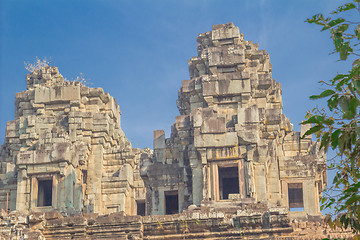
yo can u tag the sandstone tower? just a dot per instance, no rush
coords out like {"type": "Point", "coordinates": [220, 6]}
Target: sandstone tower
{"type": "Point", "coordinates": [66, 151]}
{"type": "Point", "coordinates": [231, 144]}
{"type": "Point", "coordinates": [231, 141]}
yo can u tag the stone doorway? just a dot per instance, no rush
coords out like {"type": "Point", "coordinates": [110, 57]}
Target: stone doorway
{"type": "Point", "coordinates": [228, 181]}
{"type": "Point", "coordinates": [44, 193]}
{"type": "Point", "coordinates": [140, 207]}
{"type": "Point", "coordinates": [296, 201]}
{"type": "Point", "coordinates": [171, 202]}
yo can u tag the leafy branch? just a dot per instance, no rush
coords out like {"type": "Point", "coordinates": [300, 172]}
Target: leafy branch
{"type": "Point", "coordinates": [338, 126]}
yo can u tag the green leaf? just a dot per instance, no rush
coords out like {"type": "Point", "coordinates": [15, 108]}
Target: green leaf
{"type": "Point", "coordinates": [350, 112]}
{"type": "Point", "coordinates": [333, 23]}
{"type": "Point", "coordinates": [314, 119]}
{"type": "Point", "coordinates": [356, 83]}
{"type": "Point", "coordinates": [342, 143]}
{"type": "Point", "coordinates": [352, 199]}
{"type": "Point", "coordinates": [325, 93]}
{"type": "Point", "coordinates": [335, 138]}
{"type": "Point", "coordinates": [346, 222]}
{"type": "Point", "coordinates": [354, 102]}
{"type": "Point", "coordinates": [348, 115]}
{"type": "Point", "coordinates": [329, 121]}
{"type": "Point", "coordinates": [342, 83]}
{"type": "Point", "coordinates": [337, 38]}
{"type": "Point", "coordinates": [343, 27]}
{"type": "Point", "coordinates": [357, 32]}
{"type": "Point", "coordinates": [358, 131]}
{"type": "Point", "coordinates": [336, 22]}
{"type": "Point", "coordinates": [333, 101]}
{"type": "Point", "coordinates": [314, 129]}
{"type": "Point", "coordinates": [336, 178]}
{"type": "Point", "coordinates": [343, 8]}
{"type": "Point", "coordinates": [325, 140]}
{"type": "Point", "coordinates": [339, 76]}
{"type": "Point", "coordinates": [345, 51]}
{"type": "Point", "coordinates": [354, 188]}
{"type": "Point", "coordinates": [344, 103]}
{"type": "Point", "coordinates": [356, 62]}
{"type": "Point", "coordinates": [316, 19]}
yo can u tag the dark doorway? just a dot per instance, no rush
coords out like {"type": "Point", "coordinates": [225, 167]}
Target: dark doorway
{"type": "Point", "coordinates": [296, 202]}
{"type": "Point", "coordinates": [171, 202]}
{"type": "Point", "coordinates": [140, 205]}
{"type": "Point", "coordinates": [228, 181]}
{"type": "Point", "coordinates": [44, 193]}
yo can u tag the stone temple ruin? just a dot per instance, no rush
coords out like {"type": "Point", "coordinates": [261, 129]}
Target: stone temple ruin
{"type": "Point", "coordinates": [232, 141]}
{"type": "Point", "coordinates": [230, 148]}
{"type": "Point", "coordinates": [65, 150]}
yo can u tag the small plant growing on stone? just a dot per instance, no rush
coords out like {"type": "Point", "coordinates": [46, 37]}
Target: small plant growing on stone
{"type": "Point", "coordinates": [37, 65]}
{"type": "Point", "coordinates": [159, 224]}
{"type": "Point", "coordinates": [241, 231]}
{"type": "Point", "coordinates": [187, 228]}
{"type": "Point", "coordinates": [81, 79]}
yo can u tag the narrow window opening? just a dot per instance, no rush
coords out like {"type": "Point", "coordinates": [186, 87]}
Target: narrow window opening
{"type": "Point", "coordinates": [228, 181]}
{"type": "Point", "coordinates": [171, 202]}
{"type": "Point", "coordinates": [296, 202]}
{"type": "Point", "coordinates": [44, 193]}
{"type": "Point", "coordinates": [84, 172]}
{"type": "Point", "coordinates": [140, 205]}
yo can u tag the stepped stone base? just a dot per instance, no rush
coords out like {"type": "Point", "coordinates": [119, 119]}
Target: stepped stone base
{"type": "Point", "coordinates": [249, 222]}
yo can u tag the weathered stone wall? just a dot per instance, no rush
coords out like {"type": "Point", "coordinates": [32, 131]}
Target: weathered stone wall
{"type": "Point", "coordinates": [68, 135]}
{"type": "Point", "coordinates": [231, 120]}
{"type": "Point", "coordinates": [201, 223]}
{"type": "Point", "coordinates": [231, 169]}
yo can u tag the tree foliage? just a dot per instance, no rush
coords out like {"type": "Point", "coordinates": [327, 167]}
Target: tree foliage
{"type": "Point", "coordinates": [337, 126]}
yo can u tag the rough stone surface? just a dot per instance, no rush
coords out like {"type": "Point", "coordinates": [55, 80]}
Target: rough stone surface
{"type": "Point", "coordinates": [200, 223]}
{"type": "Point", "coordinates": [70, 135]}
{"type": "Point", "coordinates": [231, 116]}
{"type": "Point", "coordinates": [232, 168]}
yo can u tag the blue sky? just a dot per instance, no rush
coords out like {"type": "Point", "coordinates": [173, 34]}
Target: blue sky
{"type": "Point", "coordinates": [138, 50]}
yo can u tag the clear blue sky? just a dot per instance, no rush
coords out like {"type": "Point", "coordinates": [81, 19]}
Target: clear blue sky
{"type": "Point", "coordinates": [138, 50]}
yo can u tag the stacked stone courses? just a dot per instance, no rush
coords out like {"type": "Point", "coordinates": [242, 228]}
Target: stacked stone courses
{"type": "Point", "coordinates": [71, 135]}
{"type": "Point", "coordinates": [232, 167]}
{"type": "Point", "coordinates": [231, 117]}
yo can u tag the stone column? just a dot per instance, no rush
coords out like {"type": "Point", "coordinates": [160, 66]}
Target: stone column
{"type": "Point", "coordinates": [197, 184]}
{"type": "Point", "coordinates": [159, 145]}
{"type": "Point", "coordinates": [70, 180]}
{"type": "Point", "coordinates": [260, 182]}
{"type": "Point", "coordinates": [158, 202]}
{"type": "Point", "coordinates": [309, 196]}
{"type": "Point", "coordinates": [95, 167]}
{"type": "Point", "coordinates": [21, 203]}
{"type": "Point", "coordinates": [61, 199]}
{"type": "Point", "coordinates": [249, 179]}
